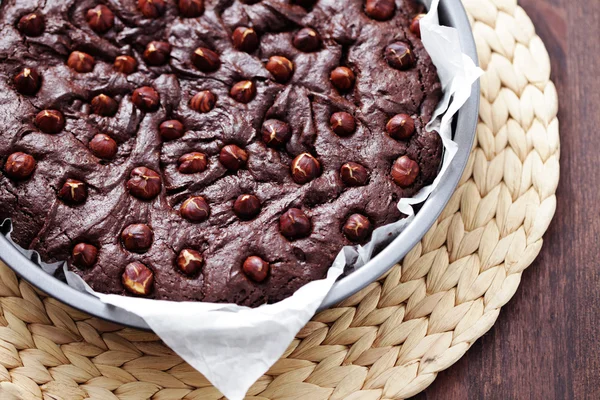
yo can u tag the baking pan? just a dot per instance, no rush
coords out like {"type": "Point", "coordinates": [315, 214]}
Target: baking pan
{"type": "Point", "coordinates": [452, 14]}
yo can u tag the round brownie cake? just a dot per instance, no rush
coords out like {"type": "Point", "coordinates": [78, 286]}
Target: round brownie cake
{"type": "Point", "coordinates": [220, 151]}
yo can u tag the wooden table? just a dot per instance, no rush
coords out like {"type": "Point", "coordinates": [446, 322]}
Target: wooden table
{"type": "Point", "coordinates": [546, 342]}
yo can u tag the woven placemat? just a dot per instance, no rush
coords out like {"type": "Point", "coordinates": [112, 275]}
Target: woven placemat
{"type": "Point", "coordinates": [390, 340]}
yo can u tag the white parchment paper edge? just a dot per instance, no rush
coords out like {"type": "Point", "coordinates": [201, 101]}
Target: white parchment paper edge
{"type": "Point", "coordinates": [232, 346]}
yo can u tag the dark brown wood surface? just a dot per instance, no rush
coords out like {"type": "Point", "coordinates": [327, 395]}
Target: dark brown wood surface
{"type": "Point", "coordinates": [546, 342]}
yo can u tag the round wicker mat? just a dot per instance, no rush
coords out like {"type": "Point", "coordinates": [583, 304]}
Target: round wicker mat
{"type": "Point", "coordinates": [386, 342]}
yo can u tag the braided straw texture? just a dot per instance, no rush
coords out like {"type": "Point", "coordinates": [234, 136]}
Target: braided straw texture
{"type": "Point", "coordinates": [390, 340]}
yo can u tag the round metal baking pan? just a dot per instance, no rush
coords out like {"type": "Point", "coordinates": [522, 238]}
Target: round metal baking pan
{"type": "Point", "coordinates": [452, 14]}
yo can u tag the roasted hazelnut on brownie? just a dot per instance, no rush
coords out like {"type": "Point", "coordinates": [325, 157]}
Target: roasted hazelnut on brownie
{"type": "Point", "coordinates": [146, 99]}
{"type": "Point", "coordinates": [50, 121]}
{"type": "Point", "coordinates": [31, 24]}
{"type": "Point", "coordinates": [307, 40]}
{"type": "Point", "coordinates": [84, 255]}
{"type": "Point", "coordinates": [73, 192]}
{"type": "Point", "coordinates": [138, 279]}
{"type": "Point", "coordinates": [195, 209]}
{"type": "Point", "coordinates": [206, 60]}
{"type": "Point", "coordinates": [256, 268]}
{"type": "Point", "coordinates": [137, 237]}
{"type": "Point", "coordinates": [171, 129]}
{"type": "Point", "coordinates": [246, 206]}
{"type": "Point", "coordinates": [203, 101]}
{"type": "Point", "coordinates": [100, 18]}
{"type": "Point", "coordinates": [103, 146]}
{"type": "Point", "coordinates": [125, 64]}
{"type": "Point", "coordinates": [27, 81]}
{"type": "Point", "coordinates": [380, 10]}
{"type": "Point", "coordinates": [233, 157]}
{"type": "Point", "coordinates": [144, 183]}
{"type": "Point", "coordinates": [405, 171]}
{"type": "Point", "coordinates": [294, 224]}
{"type": "Point", "coordinates": [192, 163]}
{"type": "Point", "coordinates": [81, 62]}
{"type": "Point", "coordinates": [189, 261]}
{"type": "Point", "coordinates": [191, 8]}
{"type": "Point", "coordinates": [357, 228]}
{"type": "Point", "coordinates": [354, 174]}
{"type": "Point", "coordinates": [152, 8]}
{"type": "Point", "coordinates": [400, 127]}
{"type": "Point", "coordinates": [245, 39]}
{"type": "Point", "coordinates": [415, 25]}
{"type": "Point", "coordinates": [243, 92]}
{"type": "Point", "coordinates": [157, 53]}
{"type": "Point", "coordinates": [19, 166]}
{"type": "Point", "coordinates": [342, 78]}
{"type": "Point", "coordinates": [275, 132]}
{"type": "Point", "coordinates": [399, 56]}
{"type": "Point", "coordinates": [342, 123]}
{"type": "Point", "coordinates": [104, 105]}
{"type": "Point", "coordinates": [305, 168]}
{"type": "Point", "coordinates": [281, 68]}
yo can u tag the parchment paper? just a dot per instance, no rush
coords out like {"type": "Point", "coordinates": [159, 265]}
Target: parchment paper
{"type": "Point", "coordinates": [233, 346]}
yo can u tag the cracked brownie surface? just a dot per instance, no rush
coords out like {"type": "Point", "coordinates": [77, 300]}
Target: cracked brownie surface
{"type": "Point", "coordinates": [226, 157]}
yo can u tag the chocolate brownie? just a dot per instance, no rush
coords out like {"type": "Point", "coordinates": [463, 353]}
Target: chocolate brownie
{"type": "Point", "coordinates": [220, 151]}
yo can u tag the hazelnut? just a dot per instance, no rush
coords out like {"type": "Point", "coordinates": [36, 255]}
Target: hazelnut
{"type": "Point", "coordinates": [189, 261]}
{"type": "Point", "coordinates": [281, 68]}
{"type": "Point", "coordinates": [146, 99]}
{"type": "Point", "coordinates": [137, 237]}
{"type": "Point", "coordinates": [191, 8]}
{"type": "Point", "coordinates": [246, 206]}
{"type": "Point", "coordinates": [354, 174]}
{"type": "Point", "coordinates": [104, 105]}
{"type": "Point", "coordinates": [275, 132]}
{"type": "Point", "coordinates": [398, 55]}
{"type": "Point", "coordinates": [144, 183]}
{"type": "Point", "coordinates": [203, 102]}
{"type": "Point", "coordinates": [192, 163]}
{"type": "Point", "coordinates": [245, 39]}
{"type": "Point", "coordinates": [137, 278]}
{"type": "Point", "coordinates": [157, 53]}
{"type": "Point", "coordinates": [31, 24]}
{"type": "Point", "coordinates": [195, 209]}
{"type": "Point", "coordinates": [19, 165]}
{"type": "Point", "coordinates": [305, 168]}
{"type": "Point", "coordinates": [256, 268]}
{"type": "Point", "coordinates": [294, 224]}
{"type": "Point", "coordinates": [307, 40]}
{"type": "Point", "coordinates": [81, 62]}
{"type": "Point", "coordinates": [342, 123]}
{"type": "Point", "coordinates": [84, 255]}
{"type": "Point", "coordinates": [342, 78]}
{"type": "Point", "coordinates": [405, 171]}
{"type": "Point", "coordinates": [232, 157]}
{"type": "Point", "coordinates": [125, 64]}
{"type": "Point", "coordinates": [380, 10]}
{"type": "Point", "coordinates": [100, 18]}
{"type": "Point", "coordinates": [400, 127]}
{"type": "Point", "coordinates": [357, 228]}
{"type": "Point", "coordinates": [27, 81]}
{"type": "Point", "coordinates": [243, 92]}
{"type": "Point", "coordinates": [103, 146]}
{"type": "Point", "coordinates": [206, 60]}
{"type": "Point", "coordinates": [50, 121]}
{"type": "Point", "coordinates": [171, 129]}
{"type": "Point", "coordinates": [152, 8]}
{"type": "Point", "coordinates": [73, 192]}
{"type": "Point", "coordinates": [415, 25]}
